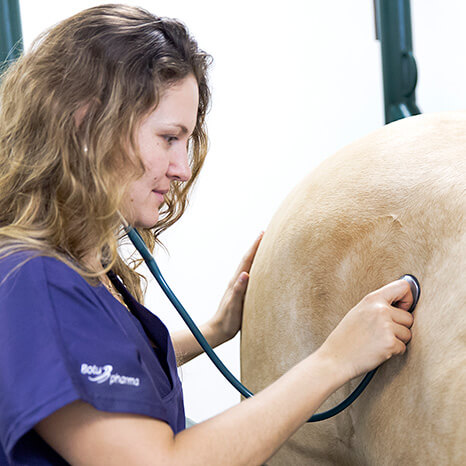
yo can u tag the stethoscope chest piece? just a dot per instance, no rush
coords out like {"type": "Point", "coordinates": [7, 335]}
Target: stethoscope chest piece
{"type": "Point", "coordinates": [415, 289]}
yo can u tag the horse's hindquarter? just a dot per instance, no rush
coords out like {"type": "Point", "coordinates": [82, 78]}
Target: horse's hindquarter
{"type": "Point", "coordinates": [389, 204]}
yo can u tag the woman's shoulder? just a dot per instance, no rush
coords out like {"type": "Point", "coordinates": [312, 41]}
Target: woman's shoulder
{"type": "Point", "coordinates": [36, 266]}
{"type": "Point", "coordinates": [27, 276]}
{"type": "Point", "coordinates": [46, 293]}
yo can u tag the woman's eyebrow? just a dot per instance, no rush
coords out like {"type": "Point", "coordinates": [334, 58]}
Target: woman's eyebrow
{"type": "Point", "coordinates": [183, 128]}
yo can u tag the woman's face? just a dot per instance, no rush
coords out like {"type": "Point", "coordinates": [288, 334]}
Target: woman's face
{"type": "Point", "coordinates": [163, 144]}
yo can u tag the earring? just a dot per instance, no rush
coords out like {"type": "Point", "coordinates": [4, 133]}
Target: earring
{"type": "Point", "coordinates": [85, 148]}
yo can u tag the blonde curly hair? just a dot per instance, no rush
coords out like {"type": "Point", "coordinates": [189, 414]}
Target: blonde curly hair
{"type": "Point", "coordinates": [61, 182]}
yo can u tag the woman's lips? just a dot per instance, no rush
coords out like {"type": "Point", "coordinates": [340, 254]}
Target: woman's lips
{"type": "Point", "coordinates": [160, 195]}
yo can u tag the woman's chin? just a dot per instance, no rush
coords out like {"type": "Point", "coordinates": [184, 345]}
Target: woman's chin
{"type": "Point", "coordinates": [146, 223]}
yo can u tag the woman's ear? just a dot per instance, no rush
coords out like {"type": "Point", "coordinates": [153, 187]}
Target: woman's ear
{"type": "Point", "coordinates": [80, 114]}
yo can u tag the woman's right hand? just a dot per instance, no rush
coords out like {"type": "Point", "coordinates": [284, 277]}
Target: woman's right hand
{"type": "Point", "coordinates": [372, 332]}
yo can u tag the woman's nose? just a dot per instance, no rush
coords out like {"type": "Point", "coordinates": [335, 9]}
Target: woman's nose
{"type": "Point", "coordinates": [179, 168]}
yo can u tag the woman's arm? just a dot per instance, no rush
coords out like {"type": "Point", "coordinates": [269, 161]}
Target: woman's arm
{"type": "Point", "coordinates": [186, 346]}
{"type": "Point", "coordinates": [249, 433]}
{"type": "Point", "coordinates": [246, 434]}
{"type": "Point", "coordinates": [226, 322]}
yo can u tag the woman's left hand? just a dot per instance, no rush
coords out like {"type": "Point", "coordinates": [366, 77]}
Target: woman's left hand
{"type": "Point", "coordinates": [226, 322]}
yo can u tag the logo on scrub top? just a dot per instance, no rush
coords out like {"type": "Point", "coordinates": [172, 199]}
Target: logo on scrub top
{"type": "Point", "coordinates": [100, 374]}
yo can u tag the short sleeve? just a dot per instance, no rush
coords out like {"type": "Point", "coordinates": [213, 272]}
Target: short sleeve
{"type": "Point", "coordinates": [62, 343]}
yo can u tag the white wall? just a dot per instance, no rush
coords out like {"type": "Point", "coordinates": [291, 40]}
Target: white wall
{"type": "Point", "coordinates": [292, 82]}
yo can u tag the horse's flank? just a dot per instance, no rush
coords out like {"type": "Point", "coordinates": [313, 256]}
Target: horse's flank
{"type": "Point", "coordinates": [391, 203]}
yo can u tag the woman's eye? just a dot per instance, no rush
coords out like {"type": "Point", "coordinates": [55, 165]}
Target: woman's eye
{"type": "Point", "coordinates": [170, 139]}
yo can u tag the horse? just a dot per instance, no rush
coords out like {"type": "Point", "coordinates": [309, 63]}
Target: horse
{"type": "Point", "coordinates": [391, 203]}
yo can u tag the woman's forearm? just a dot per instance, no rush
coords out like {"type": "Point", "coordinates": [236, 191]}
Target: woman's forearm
{"type": "Point", "coordinates": [252, 431]}
{"type": "Point", "coordinates": [186, 346]}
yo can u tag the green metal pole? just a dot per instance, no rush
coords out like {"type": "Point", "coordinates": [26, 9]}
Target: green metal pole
{"type": "Point", "coordinates": [11, 37]}
{"type": "Point", "coordinates": [393, 29]}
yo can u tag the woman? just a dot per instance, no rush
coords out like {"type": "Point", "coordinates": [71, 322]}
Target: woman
{"type": "Point", "coordinates": [102, 123]}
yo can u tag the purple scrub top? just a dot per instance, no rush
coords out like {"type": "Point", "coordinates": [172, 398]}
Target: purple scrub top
{"type": "Point", "coordinates": [64, 340]}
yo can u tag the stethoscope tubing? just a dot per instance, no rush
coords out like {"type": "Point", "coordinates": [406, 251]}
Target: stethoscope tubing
{"type": "Point", "coordinates": [139, 244]}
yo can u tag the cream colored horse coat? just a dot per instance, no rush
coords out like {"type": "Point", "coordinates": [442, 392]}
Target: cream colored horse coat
{"type": "Point", "coordinates": [391, 203]}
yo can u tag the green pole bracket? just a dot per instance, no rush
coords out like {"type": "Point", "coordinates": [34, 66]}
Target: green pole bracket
{"type": "Point", "coordinates": [11, 37]}
{"type": "Point", "coordinates": [393, 29]}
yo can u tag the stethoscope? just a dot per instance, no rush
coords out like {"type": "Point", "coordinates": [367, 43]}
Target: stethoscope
{"type": "Point", "coordinates": [139, 244]}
